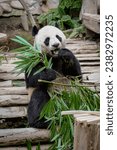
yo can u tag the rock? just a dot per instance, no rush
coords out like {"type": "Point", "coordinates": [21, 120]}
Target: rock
{"type": "Point", "coordinates": [44, 8]}
{"type": "Point", "coordinates": [6, 7]}
{"type": "Point", "coordinates": [16, 4]}
{"type": "Point", "coordinates": [52, 4]}
{"type": "Point", "coordinates": [15, 12]}
{"type": "Point", "coordinates": [35, 9]}
{"type": "Point", "coordinates": [31, 2]}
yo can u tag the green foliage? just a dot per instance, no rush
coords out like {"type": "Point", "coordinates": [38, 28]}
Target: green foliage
{"type": "Point", "coordinates": [1, 58]}
{"type": "Point", "coordinates": [78, 98]}
{"type": "Point", "coordinates": [29, 146]}
{"type": "Point", "coordinates": [2, 55]}
{"type": "Point", "coordinates": [65, 16]}
{"type": "Point", "coordinates": [29, 57]}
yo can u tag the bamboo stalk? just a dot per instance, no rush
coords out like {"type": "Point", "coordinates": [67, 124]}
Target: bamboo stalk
{"type": "Point", "coordinates": [61, 84]}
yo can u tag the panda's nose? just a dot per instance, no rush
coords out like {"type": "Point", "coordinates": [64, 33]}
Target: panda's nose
{"type": "Point", "coordinates": [55, 45]}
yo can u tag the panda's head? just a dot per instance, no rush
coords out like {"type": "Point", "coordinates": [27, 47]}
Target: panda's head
{"type": "Point", "coordinates": [49, 38]}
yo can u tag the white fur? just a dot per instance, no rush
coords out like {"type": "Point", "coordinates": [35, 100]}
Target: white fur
{"type": "Point", "coordinates": [49, 31]}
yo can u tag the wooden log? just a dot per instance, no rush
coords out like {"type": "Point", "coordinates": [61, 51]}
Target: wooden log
{"type": "Point", "coordinates": [11, 76]}
{"type": "Point", "coordinates": [20, 136]}
{"type": "Point", "coordinates": [86, 136]}
{"type": "Point", "coordinates": [13, 91]}
{"type": "Point", "coordinates": [13, 100]}
{"type": "Point", "coordinates": [13, 112]}
{"type": "Point", "coordinates": [42, 147]}
{"type": "Point", "coordinates": [87, 130]}
{"type": "Point", "coordinates": [7, 68]}
{"type": "Point", "coordinates": [6, 83]}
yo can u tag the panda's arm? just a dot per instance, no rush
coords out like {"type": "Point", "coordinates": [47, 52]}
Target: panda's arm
{"type": "Point", "coordinates": [46, 74]}
{"type": "Point", "coordinates": [70, 64]}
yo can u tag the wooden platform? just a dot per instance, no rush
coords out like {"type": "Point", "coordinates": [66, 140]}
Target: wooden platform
{"type": "Point", "coordinates": [14, 100]}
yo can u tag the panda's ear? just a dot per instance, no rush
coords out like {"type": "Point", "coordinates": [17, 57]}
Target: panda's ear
{"type": "Point", "coordinates": [34, 30]}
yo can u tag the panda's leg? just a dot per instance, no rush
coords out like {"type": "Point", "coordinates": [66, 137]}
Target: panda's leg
{"type": "Point", "coordinates": [38, 99]}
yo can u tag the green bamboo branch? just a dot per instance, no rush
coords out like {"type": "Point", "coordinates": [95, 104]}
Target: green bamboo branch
{"type": "Point", "coordinates": [62, 84]}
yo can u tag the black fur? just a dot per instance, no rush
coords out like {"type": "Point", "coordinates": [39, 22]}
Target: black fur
{"type": "Point", "coordinates": [59, 38]}
{"type": "Point", "coordinates": [34, 31]}
{"type": "Point", "coordinates": [47, 40]}
{"type": "Point", "coordinates": [66, 64]}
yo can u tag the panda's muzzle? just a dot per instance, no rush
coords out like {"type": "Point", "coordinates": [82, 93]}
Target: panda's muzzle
{"type": "Point", "coordinates": [55, 51]}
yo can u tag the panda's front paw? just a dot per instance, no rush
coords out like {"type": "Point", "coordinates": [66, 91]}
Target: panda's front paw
{"type": "Point", "coordinates": [66, 56]}
{"type": "Point", "coordinates": [51, 74]}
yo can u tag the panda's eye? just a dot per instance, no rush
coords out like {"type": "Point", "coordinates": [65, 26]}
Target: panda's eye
{"type": "Point", "coordinates": [59, 38]}
{"type": "Point", "coordinates": [47, 41]}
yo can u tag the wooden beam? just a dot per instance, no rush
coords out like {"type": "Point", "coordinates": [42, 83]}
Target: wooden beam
{"type": "Point", "coordinates": [13, 91]}
{"type": "Point", "coordinates": [42, 147]}
{"type": "Point", "coordinates": [20, 136]}
{"type": "Point", "coordinates": [6, 83]}
{"type": "Point", "coordinates": [13, 112]}
{"type": "Point", "coordinates": [13, 100]}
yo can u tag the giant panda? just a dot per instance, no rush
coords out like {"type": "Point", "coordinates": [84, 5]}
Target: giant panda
{"type": "Point", "coordinates": [52, 42]}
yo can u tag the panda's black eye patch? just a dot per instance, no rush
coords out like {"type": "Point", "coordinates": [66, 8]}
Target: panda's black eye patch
{"type": "Point", "coordinates": [47, 41]}
{"type": "Point", "coordinates": [59, 38]}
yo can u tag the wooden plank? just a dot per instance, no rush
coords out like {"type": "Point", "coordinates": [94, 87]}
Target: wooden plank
{"type": "Point", "coordinates": [89, 59]}
{"type": "Point", "coordinates": [90, 63]}
{"type": "Point", "coordinates": [13, 91]}
{"type": "Point", "coordinates": [7, 68]}
{"type": "Point", "coordinates": [85, 52]}
{"type": "Point", "coordinates": [83, 47]}
{"type": "Point", "coordinates": [6, 83]}
{"type": "Point", "coordinates": [11, 76]}
{"type": "Point", "coordinates": [13, 112]}
{"type": "Point", "coordinates": [87, 55]}
{"type": "Point", "coordinates": [79, 42]}
{"type": "Point", "coordinates": [20, 136]}
{"type": "Point", "coordinates": [91, 69]}
{"type": "Point", "coordinates": [13, 100]}
{"type": "Point", "coordinates": [94, 77]}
